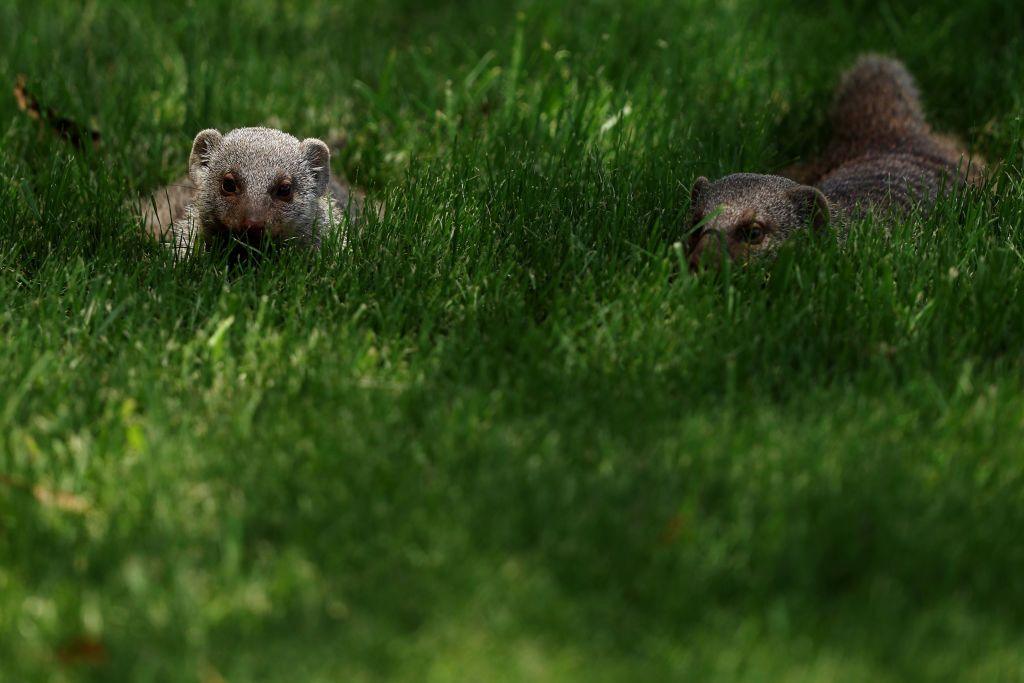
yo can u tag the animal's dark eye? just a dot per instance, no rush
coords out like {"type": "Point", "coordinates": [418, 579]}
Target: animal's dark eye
{"type": "Point", "coordinates": [228, 185]}
{"type": "Point", "coordinates": [752, 234]}
{"type": "Point", "coordinates": [283, 191]}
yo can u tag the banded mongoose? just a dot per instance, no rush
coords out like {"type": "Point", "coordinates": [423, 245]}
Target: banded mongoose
{"type": "Point", "coordinates": [883, 158]}
{"type": "Point", "coordinates": [250, 186]}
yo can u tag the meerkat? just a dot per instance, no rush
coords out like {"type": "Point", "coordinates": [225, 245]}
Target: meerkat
{"type": "Point", "coordinates": [250, 186]}
{"type": "Point", "coordinates": [883, 158]}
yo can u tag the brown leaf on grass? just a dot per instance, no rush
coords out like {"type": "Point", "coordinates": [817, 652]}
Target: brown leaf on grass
{"type": "Point", "coordinates": [26, 102]}
{"type": "Point", "coordinates": [60, 500]}
{"type": "Point", "coordinates": [82, 651]}
{"type": "Point", "coordinates": [73, 132]}
{"type": "Point", "coordinates": [209, 674]}
{"type": "Point", "coordinates": [672, 530]}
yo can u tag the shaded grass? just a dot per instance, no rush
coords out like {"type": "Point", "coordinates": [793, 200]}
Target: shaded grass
{"type": "Point", "coordinates": [505, 434]}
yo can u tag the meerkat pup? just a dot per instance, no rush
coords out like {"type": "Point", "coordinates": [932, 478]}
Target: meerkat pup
{"type": "Point", "coordinates": [883, 158]}
{"type": "Point", "coordinates": [248, 187]}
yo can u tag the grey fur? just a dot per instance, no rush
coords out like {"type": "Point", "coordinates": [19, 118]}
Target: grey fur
{"type": "Point", "coordinates": [884, 158]}
{"type": "Point", "coordinates": [197, 211]}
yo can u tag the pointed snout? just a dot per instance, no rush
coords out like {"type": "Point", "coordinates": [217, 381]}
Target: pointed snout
{"type": "Point", "coordinates": [707, 252]}
{"type": "Point", "coordinates": [253, 223]}
{"type": "Point", "coordinates": [253, 218]}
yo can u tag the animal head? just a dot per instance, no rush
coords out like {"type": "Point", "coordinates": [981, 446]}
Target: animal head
{"type": "Point", "coordinates": [746, 215]}
{"type": "Point", "coordinates": [258, 183]}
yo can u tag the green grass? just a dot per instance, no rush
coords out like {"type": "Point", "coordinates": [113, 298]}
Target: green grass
{"type": "Point", "coordinates": [504, 436]}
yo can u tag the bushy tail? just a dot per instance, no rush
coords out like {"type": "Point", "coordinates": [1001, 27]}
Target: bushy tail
{"type": "Point", "coordinates": [877, 102]}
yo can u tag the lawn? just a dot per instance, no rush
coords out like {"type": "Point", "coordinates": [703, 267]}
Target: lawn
{"type": "Point", "coordinates": [503, 436]}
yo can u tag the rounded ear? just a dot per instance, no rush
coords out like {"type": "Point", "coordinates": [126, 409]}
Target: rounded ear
{"type": "Point", "coordinates": [203, 147]}
{"type": "Point", "coordinates": [699, 194]}
{"type": "Point", "coordinates": [317, 156]}
{"type": "Point", "coordinates": [811, 206]}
